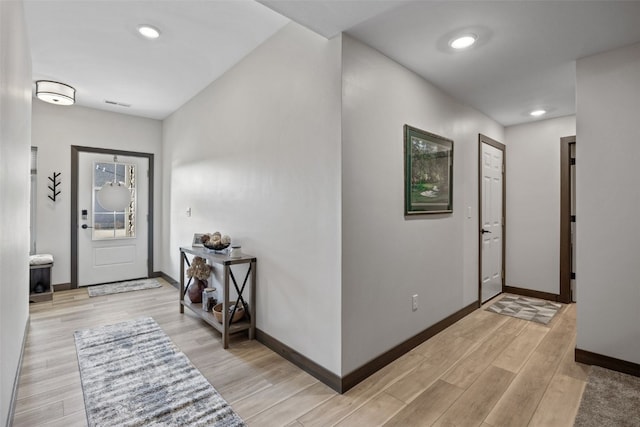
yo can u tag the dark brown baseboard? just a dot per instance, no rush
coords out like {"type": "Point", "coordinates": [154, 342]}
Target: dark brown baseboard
{"type": "Point", "coordinates": [14, 391]}
{"type": "Point", "coordinates": [353, 378]}
{"type": "Point", "coordinates": [531, 293]}
{"type": "Point", "coordinates": [341, 385]}
{"type": "Point", "coordinates": [61, 287]}
{"type": "Point", "coordinates": [589, 358]}
{"type": "Point", "coordinates": [166, 277]}
{"type": "Point", "coordinates": [304, 363]}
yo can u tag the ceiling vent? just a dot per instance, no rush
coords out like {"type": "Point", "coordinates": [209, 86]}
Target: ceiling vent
{"type": "Point", "coordinates": [120, 104]}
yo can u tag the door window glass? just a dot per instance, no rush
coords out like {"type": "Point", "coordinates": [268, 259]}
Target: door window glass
{"type": "Point", "coordinates": [114, 224]}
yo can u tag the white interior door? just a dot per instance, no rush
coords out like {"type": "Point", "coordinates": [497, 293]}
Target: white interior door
{"type": "Point", "coordinates": [492, 222]}
{"type": "Point", "coordinates": [112, 245]}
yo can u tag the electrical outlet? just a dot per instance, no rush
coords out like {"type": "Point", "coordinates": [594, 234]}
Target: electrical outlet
{"type": "Point", "coordinates": [414, 302]}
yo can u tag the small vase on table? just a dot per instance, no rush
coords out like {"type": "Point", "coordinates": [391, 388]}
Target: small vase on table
{"type": "Point", "coordinates": [195, 290]}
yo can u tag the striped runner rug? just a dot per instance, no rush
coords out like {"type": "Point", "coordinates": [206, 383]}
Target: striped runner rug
{"type": "Point", "coordinates": [133, 375]}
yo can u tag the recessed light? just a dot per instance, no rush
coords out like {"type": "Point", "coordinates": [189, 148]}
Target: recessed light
{"type": "Point", "coordinates": [148, 31]}
{"type": "Point", "coordinates": [463, 41]}
{"type": "Point", "coordinates": [537, 113]}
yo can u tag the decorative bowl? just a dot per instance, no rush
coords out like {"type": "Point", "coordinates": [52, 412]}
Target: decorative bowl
{"type": "Point", "coordinates": [239, 314]}
{"type": "Point", "coordinates": [218, 247]}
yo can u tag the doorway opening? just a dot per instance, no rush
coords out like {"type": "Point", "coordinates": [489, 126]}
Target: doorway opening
{"type": "Point", "coordinates": [492, 219]}
{"type": "Point", "coordinates": [79, 214]}
{"type": "Point", "coordinates": [567, 219]}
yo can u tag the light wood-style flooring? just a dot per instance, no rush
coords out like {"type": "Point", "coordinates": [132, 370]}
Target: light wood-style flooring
{"type": "Point", "coordinates": [486, 370]}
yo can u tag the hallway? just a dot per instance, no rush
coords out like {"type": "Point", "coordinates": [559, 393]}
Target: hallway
{"type": "Point", "coordinates": [486, 368]}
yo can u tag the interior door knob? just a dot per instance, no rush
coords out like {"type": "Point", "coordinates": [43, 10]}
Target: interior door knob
{"type": "Point", "coordinates": [485, 231]}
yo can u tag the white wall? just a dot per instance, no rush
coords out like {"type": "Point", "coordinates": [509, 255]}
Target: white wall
{"type": "Point", "coordinates": [387, 258]}
{"type": "Point", "coordinates": [533, 203]}
{"type": "Point", "coordinates": [256, 155]}
{"type": "Point", "coordinates": [608, 202]}
{"type": "Point", "coordinates": [15, 126]}
{"type": "Point", "coordinates": [55, 130]}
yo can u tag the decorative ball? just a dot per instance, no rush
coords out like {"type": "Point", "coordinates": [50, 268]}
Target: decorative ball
{"type": "Point", "coordinates": [216, 241]}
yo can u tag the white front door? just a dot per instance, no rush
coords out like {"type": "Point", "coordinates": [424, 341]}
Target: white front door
{"type": "Point", "coordinates": [492, 222]}
{"type": "Point", "coordinates": [112, 245]}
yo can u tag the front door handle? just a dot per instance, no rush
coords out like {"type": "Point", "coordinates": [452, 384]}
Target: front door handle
{"type": "Point", "coordinates": [85, 226]}
{"type": "Point", "coordinates": [485, 231]}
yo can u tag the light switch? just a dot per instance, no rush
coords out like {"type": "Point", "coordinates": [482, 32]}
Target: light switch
{"type": "Point", "coordinates": [469, 212]}
{"type": "Point", "coordinates": [188, 212]}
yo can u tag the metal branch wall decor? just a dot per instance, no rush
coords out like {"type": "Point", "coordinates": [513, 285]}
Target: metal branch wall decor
{"type": "Point", "coordinates": [54, 186]}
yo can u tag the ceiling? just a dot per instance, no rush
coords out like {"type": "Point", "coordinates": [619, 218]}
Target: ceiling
{"type": "Point", "coordinates": [524, 58]}
{"type": "Point", "coordinates": [94, 46]}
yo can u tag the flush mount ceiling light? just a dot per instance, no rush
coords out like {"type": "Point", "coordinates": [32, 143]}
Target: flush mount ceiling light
{"type": "Point", "coordinates": [148, 31]}
{"type": "Point", "coordinates": [55, 93]}
{"type": "Point", "coordinates": [537, 113]}
{"type": "Point", "coordinates": [463, 42]}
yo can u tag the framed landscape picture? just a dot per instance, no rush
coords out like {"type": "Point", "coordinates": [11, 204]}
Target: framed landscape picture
{"type": "Point", "coordinates": [428, 172]}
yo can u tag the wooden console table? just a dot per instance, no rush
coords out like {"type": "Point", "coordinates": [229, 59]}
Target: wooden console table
{"type": "Point", "coordinates": [226, 327]}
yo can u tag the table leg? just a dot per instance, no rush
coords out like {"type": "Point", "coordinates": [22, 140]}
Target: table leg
{"type": "Point", "coordinates": [225, 309]}
{"type": "Point", "coordinates": [252, 303]}
{"type": "Point", "coordinates": [182, 260]}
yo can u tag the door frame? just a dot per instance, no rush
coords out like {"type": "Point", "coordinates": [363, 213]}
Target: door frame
{"type": "Point", "coordinates": [565, 218]}
{"type": "Point", "coordinates": [75, 154]}
{"type": "Point", "coordinates": [492, 142]}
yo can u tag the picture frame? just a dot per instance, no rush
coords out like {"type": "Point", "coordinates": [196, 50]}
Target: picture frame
{"type": "Point", "coordinates": [428, 172]}
{"type": "Point", "coordinates": [197, 243]}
